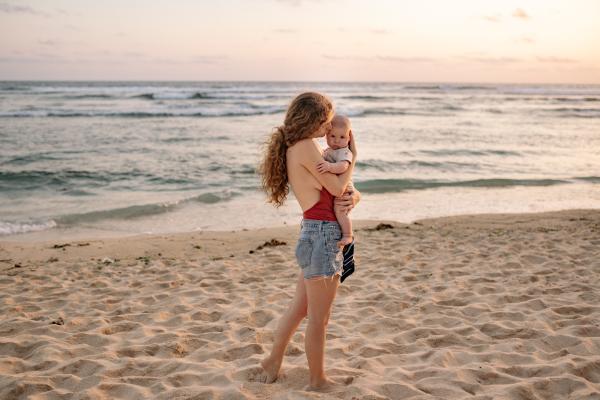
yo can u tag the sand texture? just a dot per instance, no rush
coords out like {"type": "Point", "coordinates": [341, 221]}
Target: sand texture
{"type": "Point", "coordinates": [470, 307]}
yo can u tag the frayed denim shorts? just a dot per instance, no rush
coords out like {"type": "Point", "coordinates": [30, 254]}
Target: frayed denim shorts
{"type": "Point", "coordinates": [317, 252]}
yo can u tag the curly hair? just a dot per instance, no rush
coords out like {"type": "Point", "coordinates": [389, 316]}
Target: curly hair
{"type": "Point", "coordinates": [305, 114]}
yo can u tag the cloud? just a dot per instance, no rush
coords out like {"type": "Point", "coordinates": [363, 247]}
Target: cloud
{"type": "Point", "coordinates": [296, 3]}
{"type": "Point", "coordinates": [406, 59]}
{"type": "Point", "coordinates": [482, 58]}
{"type": "Point", "coordinates": [345, 58]}
{"type": "Point", "coordinates": [492, 18]}
{"type": "Point", "coordinates": [379, 31]}
{"type": "Point", "coordinates": [520, 13]}
{"type": "Point", "coordinates": [525, 39]}
{"type": "Point", "coordinates": [556, 60]}
{"type": "Point", "coordinates": [198, 59]}
{"type": "Point", "coordinates": [48, 42]}
{"type": "Point", "coordinates": [61, 42]}
{"type": "Point", "coordinates": [33, 58]}
{"type": "Point", "coordinates": [374, 31]}
{"type": "Point", "coordinates": [62, 11]}
{"type": "Point", "coordinates": [108, 57]}
{"type": "Point", "coordinates": [73, 28]}
{"type": "Point", "coordinates": [134, 54]}
{"type": "Point", "coordinates": [20, 9]}
{"type": "Point", "coordinates": [285, 30]}
{"type": "Point", "coordinates": [395, 59]}
{"type": "Point", "coordinates": [491, 60]}
{"type": "Point", "coordinates": [8, 60]}
{"type": "Point", "coordinates": [204, 59]}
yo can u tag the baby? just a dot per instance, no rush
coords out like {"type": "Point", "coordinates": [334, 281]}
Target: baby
{"type": "Point", "coordinates": [338, 158]}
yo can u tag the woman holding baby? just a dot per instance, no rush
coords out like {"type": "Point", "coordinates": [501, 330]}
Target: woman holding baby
{"type": "Point", "coordinates": [293, 157]}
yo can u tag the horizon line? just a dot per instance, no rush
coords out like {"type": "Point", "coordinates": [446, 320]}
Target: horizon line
{"type": "Point", "coordinates": [298, 81]}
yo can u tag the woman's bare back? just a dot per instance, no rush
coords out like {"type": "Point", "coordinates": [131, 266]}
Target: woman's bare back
{"type": "Point", "coordinates": [305, 186]}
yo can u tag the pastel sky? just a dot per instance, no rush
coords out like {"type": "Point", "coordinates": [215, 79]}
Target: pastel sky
{"type": "Point", "coordinates": [553, 41]}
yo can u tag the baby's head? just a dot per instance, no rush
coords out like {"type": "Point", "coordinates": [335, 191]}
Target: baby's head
{"type": "Point", "coordinates": [339, 135]}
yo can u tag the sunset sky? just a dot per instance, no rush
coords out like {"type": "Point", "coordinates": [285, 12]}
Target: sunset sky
{"type": "Point", "coordinates": [553, 41]}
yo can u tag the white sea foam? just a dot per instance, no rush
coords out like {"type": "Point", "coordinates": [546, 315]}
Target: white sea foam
{"type": "Point", "coordinates": [12, 228]}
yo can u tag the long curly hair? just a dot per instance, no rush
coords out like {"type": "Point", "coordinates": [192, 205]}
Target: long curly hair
{"type": "Point", "coordinates": [304, 116]}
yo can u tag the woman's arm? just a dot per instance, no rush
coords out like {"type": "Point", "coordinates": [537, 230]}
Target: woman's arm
{"type": "Point", "coordinates": [334, 167]}
{"type": "Point", "coordinates": [311, 156]}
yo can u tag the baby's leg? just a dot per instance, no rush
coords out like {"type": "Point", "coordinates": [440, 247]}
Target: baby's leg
{"type": "Point", "coordinates": [345, 223]}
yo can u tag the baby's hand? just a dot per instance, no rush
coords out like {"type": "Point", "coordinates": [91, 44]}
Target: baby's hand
{"type": "Point", "coordinates": [323, 166]}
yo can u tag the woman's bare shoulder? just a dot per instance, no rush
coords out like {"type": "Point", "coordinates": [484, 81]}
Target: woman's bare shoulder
{"type": "Point", "coordinates": [301, 147]}
{"type": "Point", "coordinates": [302, 143]}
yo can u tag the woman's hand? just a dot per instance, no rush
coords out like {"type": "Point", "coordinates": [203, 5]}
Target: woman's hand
{"type": "Point", "coordinates": [352, 144]}
{"type": "Point", "coordinates": [348, 200]}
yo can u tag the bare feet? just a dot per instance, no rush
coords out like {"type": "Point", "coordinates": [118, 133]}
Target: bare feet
{"type": "Point", "coordinates": [327, 384]}
{"type": "Point", "coordinates": [324, 385]}
{"type": "Point", "coordinates": [271, 370]}
{"type": "Point", "coordinates": [344, 241]}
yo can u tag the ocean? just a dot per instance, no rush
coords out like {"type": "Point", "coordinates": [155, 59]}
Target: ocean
{"type": "Point", "coordinates": [94, 159]}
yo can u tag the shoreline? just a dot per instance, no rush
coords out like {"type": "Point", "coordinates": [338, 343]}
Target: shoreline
{"type": "Point", "coordinates": [151, 241]}
{"type": "Point", "coordinates": [403, 207]}
{"type": "Point", "coordinates": [479, 306]}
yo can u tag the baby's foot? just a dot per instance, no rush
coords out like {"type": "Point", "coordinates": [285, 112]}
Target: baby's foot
{"type": "Point", "coordinates": [344, 241]}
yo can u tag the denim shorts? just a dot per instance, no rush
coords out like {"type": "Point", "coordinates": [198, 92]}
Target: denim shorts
{"type": "Point", "coordinates": [317, 251]}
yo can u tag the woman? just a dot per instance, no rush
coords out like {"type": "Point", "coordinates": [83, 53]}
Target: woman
{"type": "Point", "coordinates": [291, 157]}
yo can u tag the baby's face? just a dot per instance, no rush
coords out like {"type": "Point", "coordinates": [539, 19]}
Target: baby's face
{"type": "Point", "coordinates": [338, 137]}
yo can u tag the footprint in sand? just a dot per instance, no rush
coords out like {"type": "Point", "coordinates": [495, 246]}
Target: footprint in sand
{"type": "Point", "coordinates": [532, 259]}
{"type": "Point", "coordinates": [453, 303]}
{"type": "Point", "coordinates": [397, 391]}
{"type": "Point", "coordinates": [260, 318]}
{"type": "Point", "coordinates": [121, 327]}
{"type": "Point", "coordinates": [529, 372]}
{"type": "Point", "coordinates": [241, 352]}
{"type": "Point", "coordinates": [255, 374]}
{"type": "Point", "coordinates": [573, 310]}
{"type": "Point", "coordinates": [82, 368]}
{"type": "Point", "coordinates": [207, 317]}
{"type": "Point", "coordinates": [369, 352]}
{"type": "Point", "coordinates": [492, 378]}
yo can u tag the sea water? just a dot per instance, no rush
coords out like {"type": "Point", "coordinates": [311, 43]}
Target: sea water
{"type": "Point", "coordinates": [122, 158]}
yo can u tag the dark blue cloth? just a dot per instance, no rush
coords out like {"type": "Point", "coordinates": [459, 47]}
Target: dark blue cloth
{"type": "Point", "coordinates": [348, 266]}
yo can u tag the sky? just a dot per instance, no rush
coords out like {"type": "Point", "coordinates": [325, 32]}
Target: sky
{"type": "Point", "coordinates": [505, 41]}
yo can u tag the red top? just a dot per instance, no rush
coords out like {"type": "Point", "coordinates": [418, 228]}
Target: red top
{"type": "Point", "coordinates": [323, 209]}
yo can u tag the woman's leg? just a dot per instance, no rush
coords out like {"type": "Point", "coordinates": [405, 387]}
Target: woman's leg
{"type": "Point", "coordinates": [288, 323]}
{"type": "Point", "coordinates": [320, 294]}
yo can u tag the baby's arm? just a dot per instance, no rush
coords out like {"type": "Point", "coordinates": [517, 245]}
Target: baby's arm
{"type": "Point", "coordinates": [335, 168]}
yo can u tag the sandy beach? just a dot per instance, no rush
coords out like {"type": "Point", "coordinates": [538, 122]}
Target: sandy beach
{"type": "Point", "coordinates": [498, 306]}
